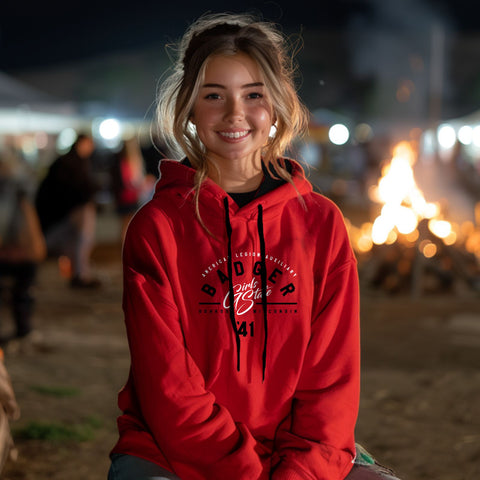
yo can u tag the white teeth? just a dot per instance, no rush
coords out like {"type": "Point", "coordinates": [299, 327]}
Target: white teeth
{"type": "Point", "coordinates": [234, 134]}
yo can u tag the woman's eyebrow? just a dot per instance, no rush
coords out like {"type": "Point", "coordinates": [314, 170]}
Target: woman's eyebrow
{"type": "Point", "coordinates": [247, 85]}
{"type": "Point", "coordinates": [254, 84]}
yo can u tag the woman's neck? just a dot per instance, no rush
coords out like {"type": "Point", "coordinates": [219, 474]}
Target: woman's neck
{"type": "Point", "coordinates": [237, 176]}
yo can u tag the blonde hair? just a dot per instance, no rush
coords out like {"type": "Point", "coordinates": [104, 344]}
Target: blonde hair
{"type": "Point", "coordinates": [228, 34]}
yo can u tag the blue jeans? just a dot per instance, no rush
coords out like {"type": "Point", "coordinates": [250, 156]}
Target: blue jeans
{"type": "Point", "coordinates": [128, 467]}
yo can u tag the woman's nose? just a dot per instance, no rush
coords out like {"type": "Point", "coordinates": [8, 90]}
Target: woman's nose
{"type": "Point", "coordinates": [234, 109]}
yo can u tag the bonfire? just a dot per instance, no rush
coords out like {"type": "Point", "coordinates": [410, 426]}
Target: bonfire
{"type": "Point", "coordinates": [408, 231]}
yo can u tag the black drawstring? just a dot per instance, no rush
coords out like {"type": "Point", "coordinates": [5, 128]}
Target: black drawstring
{"type": "Point", "coordinates": [263, 276]}
{"type": "Point", "coordinates": [231, 294]}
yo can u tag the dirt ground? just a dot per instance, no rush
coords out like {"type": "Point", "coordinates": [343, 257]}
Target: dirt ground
{"type": "Point", "coordinates": [419, 413]}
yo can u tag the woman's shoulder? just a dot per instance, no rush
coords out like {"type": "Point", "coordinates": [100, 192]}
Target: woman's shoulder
{"type": "Point", "coordinates": [149, 230]}
{"type": "Point", "coordinates": [321, 203]}
{"type": "Point", "coordinates": [153, 213]}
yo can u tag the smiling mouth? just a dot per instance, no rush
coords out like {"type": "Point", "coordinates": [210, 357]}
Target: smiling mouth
{"type": "Point", "coordinates": [234, 135]}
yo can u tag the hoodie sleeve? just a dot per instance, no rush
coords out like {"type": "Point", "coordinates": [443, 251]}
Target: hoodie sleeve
{"type": "Point", "coordinates": [197, 436]}
{"type": "Point", "coordinates": [317, 442]}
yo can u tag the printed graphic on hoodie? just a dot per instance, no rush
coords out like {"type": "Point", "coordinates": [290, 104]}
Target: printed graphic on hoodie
{"type": "Point", "coordinates": [280, 289]}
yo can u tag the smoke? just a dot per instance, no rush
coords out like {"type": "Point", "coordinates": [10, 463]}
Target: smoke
{"type": "Point", "coordinates": [391, 44]}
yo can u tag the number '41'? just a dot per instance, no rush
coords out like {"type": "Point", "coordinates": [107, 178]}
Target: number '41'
{"type": "Point", "coordinates": [245, 329]}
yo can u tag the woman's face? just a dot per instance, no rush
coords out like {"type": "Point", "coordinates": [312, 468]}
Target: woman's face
{"type": "Point", "coordinates": [232, 112]}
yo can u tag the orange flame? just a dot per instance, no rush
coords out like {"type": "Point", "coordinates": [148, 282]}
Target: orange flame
{"type": "Point", "coordinates": [404, 205]}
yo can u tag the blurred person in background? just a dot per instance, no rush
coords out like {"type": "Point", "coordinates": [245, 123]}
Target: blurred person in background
{"type": "Point", "coordinates": [66, 206]}
{"type": "Point", "coordinates": [22, 247]}
{"type": "Point", "coordinates": [130, 184]}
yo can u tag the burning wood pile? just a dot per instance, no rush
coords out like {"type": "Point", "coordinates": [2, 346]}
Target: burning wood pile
{"type": "Point", "coordinates": [410, 246]}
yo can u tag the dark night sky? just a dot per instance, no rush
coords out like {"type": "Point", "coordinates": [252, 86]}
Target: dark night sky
{"type": "Point", "coordinates": [40, 35]}
{"type": "Point", "coordinates": [34, 34]}
{"type": "Point", "coordinates": [112, 53]}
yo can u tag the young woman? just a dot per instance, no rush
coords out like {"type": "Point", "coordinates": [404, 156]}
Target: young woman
{"type": "Point", "coordinates": [241, 293]}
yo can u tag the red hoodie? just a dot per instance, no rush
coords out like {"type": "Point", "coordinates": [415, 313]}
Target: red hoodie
{"type": "Point", "coordinates": [268, 388]}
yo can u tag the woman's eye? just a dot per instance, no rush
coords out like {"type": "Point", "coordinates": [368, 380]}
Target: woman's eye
{"type": "Point", "coordinates": [212, 96]}
{"type": "Point", "coordinates": [255, 95]}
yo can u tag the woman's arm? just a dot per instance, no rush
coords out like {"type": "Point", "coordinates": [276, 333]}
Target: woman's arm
{"type": "Point", "coordinates": [199, 438]}
{"type": "Point", "coordinates": [316, 441]}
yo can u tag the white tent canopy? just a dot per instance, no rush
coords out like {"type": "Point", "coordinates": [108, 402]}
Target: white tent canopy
{"type": "Point", "coordinates": [25, 109]}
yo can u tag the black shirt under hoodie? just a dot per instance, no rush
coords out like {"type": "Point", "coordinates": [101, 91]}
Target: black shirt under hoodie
{"type": "Point", "coordinates": [268, 184]}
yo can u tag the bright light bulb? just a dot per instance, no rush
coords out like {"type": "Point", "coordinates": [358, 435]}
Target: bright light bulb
{"type": "Point", "coordinates": [446, 136]}
{"type": "Point", "coordinates": [109, 129]}
{"type": "Point", "coordinates": [338, 134]}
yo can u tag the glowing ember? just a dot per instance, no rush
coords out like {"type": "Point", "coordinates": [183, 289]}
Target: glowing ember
{"type": "Point", "coordinates": [440, 228]}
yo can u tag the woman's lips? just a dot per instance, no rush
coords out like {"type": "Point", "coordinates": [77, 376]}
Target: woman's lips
{"type": "Point", "coordinates": [234, 136]}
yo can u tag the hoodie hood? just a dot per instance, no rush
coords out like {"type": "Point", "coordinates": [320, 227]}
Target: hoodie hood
{"type": "Point", "coordinates": [180, 178]}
